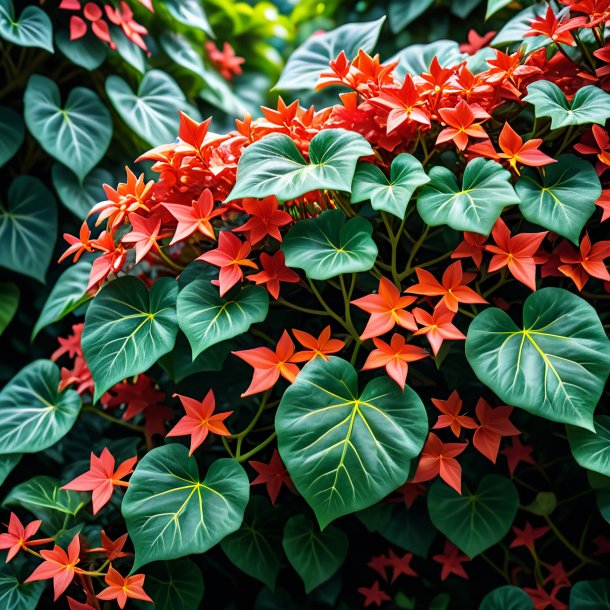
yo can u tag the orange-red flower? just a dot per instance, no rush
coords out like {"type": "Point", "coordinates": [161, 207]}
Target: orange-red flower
{"type": "Point", "coordinates": [451, 417]}
{"type": "Point", "coordinates": [273, 475]}
{"type": "Point", "coordinates": [120, 588]}
{"type": "Point", "coordinates": [471, 247]}
{"type": "Point", "coordinates": [438, 458]}
{"type": "Point", "coordinates": [493, 425]}
{"type": "Point", "coordinates": [194, 218]}
{"type": "Point", "coordinates": [322, 346]}
{"type": "Point", "coordinates": [274, 272]}
{"type": "Point", "coordinates": [587, 261]}
{"type": "Point", "coordinates": [461, 124]}
{"type": "Point", "coordinates": [144, 234]}
{"type": "Point", "coordinates": [265, 219]}
{"type": "Point", "coordinates": [225, 61]}
{"type": "Point", "coordinates": [437, 326]}
{"type": "Point", "coordinates": [18, 536]}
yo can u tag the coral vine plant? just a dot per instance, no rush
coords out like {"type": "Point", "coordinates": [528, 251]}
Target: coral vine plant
{"type": "Point", "coordinates": [362, 340]}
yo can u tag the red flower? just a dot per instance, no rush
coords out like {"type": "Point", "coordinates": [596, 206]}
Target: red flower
{"type": "Point", "coordinates": [451, 560]}
{"type": "Point", "coordinates": [120, 588]}
{"type": "Point", "coordinates": [274, 272]}
{"type": "Point", "coordinates": [596, 142]}
{"type": "Point", "coordinates": [78, 245]}
{"type": "Point", "coordinates": [113, 549]}
{"type": "Point", "coordinates": [471, 247]}
{"type": "Point", "coordinates": [461, 124]}
{"type": "Point", "coordinates": [528, 536]}
{"type": "Point", "coordinates": [493, 425]}
{"type": "Point", "coordinates": [476, 42]}
{"type": "Point", "coordinates": [273, 475]}
{"type": "Point", "coordinates": [144, 234]}
{"type": "Point", "coordinates": [322, 346]}
{"type": "Point", "coordinates": [123, 17]}
{"type": "Point", "coordinates": [438, 458]}
{"type": "Point", "coordinates": [18, 536]}
{"type": "Point", "coordinates": [92, 13]}
{"type": "Point", "coordinates": [587, 262]}
{"type": "Point", "coordinates": [516, 453]}
{"type": "Point", "coordinates": [195, 218]}
{"type": "Point", "coordinates": [558, 31]}
{"type": "Point", "coordinates": [374, 595]}
{"type": "Point", "coordinates": [225, 61]}
{"type": "Point", "coordinates": [266, 219]}
{"type": "Point", "coordinates": [437, 326]}
{"type": "Point", "coordinates": [400, 565]}
{"type": "Point", "coordinates": [451, 417]}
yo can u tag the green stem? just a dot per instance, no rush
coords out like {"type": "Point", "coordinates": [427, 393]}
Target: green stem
{"type": "Point", "coordinates": [313, 312]}
{"type": "Point", "coordinates": [168, 261]}
{"type": "Point", "coordinates": [114, 420]}
{"type": "Point", "coordinates": [567, 543]}
{"type": "Point", "coordinates": [247, 456]}
{"type": "Point", "coordinates": [408, 269]}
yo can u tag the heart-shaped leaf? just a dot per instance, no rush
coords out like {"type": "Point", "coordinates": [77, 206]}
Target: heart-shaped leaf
{"type": "Point", "coordinates": [189, 12]}
{"type": "Point", "coordinates": [9, 302]}
{"type": "Point", "coordinates": [171, 512]}
{"type": "Point", "coordinates": [32, 29]}
{"type": "Point", "coordinates": [507, 598]}
{"type": "Point", "coordinates": [476, 519]}
{"type": "Point", "coordinates": [28, 227]}
{"type": "Point", "coordinates": [127, 329]}
{"type": "Point", "coordinates": [206, 318]}
{"type": "Point", "coordinates": [486, 190]}
{"type": "Point", "coordinates": [180, 50]}
{"type": "Point", "coordinates": [68, 293]}
{"type": "Point", "coordinates": [88, 52]}
{"type": "Point", "coordinates": [315, 555]}
{"type": "Point", "coordinates": [592, 449]}
{"type": "Point", "coordinates": [328, 245]}
{"type": "Point", "coordinates": [33, 414]}
{"type": "Point", "coordinates": [589, 105]}
{"type": "Point", "coordinates": [130, 52]}
{"type": "Point", "coordinates": [12, 132]}
{"type": "Point", "coordinates": [256, 547]}
{"type": "Point", "coordinates": [77, 134]}
{"type": "Point", "coordinates": [590, 595]}
{"type": "Point", "coordinates": [346, 450]}
{"type": "Point", "coordinates": [401, 14]}
{"type": "Point", "coordinates": [555, 366]}
{"type": "Point", "coordinates": [304, 66]}
{"type": "Point", "coordinates": [393, 195]}
{"type": "Point", "coordinates": [15, 593]}
{"type": "Point", "coordinates": [275, 166]}
{"type": "Point", "coordinates": [153, 113]}
{"type": "Point", "coordinates": [79, 196]}
{"type": "Point", "coordinates": [563, 198]}
{"type": "Point", "coordinates": [175, 584]}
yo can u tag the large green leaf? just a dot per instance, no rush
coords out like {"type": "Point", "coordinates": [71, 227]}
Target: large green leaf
{"type": "Point", "coordinates": [416, 58]}
{"type": "Point", "coordinates": [181, 51]}
{"type": "Point", "coordinates": [275, 166]}
{"type": "Point", "coordinates": [328, 245]}
{"type": "Point", "coordinates": [600, 484]}
{"type": "Point", "coordinates": [15, 593]}
{"type": "Point", "coordinates": [7, 464]}
{"type": "Point", "coordinates": [256, 547]}
{"type": "Point", "coordinates": [127, 329]}
{"type": "Point", "coordinates": [130, 52]}
{"type": "Point", "coordinates": [152, 112]}
{"type": "Point", "coordinates": [346, 450]}
{"type": "Point", "coordinates": [171, 512]}
{"type": "Point", "coordinates": [486, 190]}
{"type": "Point", "coordinates": [33, 414]}
{"type": "Point", "coordinates": [78, 133]}
{"type": "Point", "coordinates": [31, 29]}
{"type": "Point", "coordinates": [401, 14]}
{"type": "Point", "coordinates": [390, 195]}
{"type": "Point", "coordinates": [304, 66]}
{"type": "Point", "coordinates": [206, 318]}
{"type": "Point", "coordinates": [478, 518]}
{"type": "Point", "coordinates": [589, 105]}
{"type": "Point", "coordinates": [88, 52]}
{"type": "Point", "coordinates": [590, 595]}
{"type": "Point", "coordinates": [189, 12]}
{"type": "Point", "coordinates": [562, 198]}
{"type": "Point", "coordinates": [507, 598]}
{"type": "Point", "coordinates": [175, 584]}
{"type": "Point", "coordinates": [592, 449]}
{"type": "Point", "coordinates": [493, 6]}
{"type": "Point", "coordinates": [28, 227]}
{"type": "Point", "coordinates": [555, 366]}
{"type": "Point", "coordinates": [315, 555]}
{"type": "Point", "coordinates": [515, 29]}
{"type": "Point", "coordinates": [9, 302]}
{"type": "Point", "coordinates": [79, 196]}
{"type": "Point", "coordinates": [12, 132]}
{"type": "Point", "coordinates": [67, 294]}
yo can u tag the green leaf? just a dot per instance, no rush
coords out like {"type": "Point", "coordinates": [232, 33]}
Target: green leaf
{"type": "Point", "coordinates": [304, 66]}
{"type": "Point", "coordinates": [486, 190]}
{"type": "Point", "coordinates": [563, 198]}
{"type": "Point", "coordinates": [79, 196]}
{"type": "Point", "coordinates": [152, 112]}
{"type": "Point", "coordinates": [601, 486]}
{"type": "Point", "coordinates": [15, 593]}
{"type": "Point", "coordinates": [590, 595]}
{"type": "Point", "coordinates": [28, 227]}
{"type": "Point", "coordinates": [128, 51]}
{"type": "Point", "coordinates": [175, 584]}
{"type": "Point", "coordinates": [507, 598]}
{"type": "Point", "coordinates": [401, 14]}
{"type": "Point", "coordinates": [88, 52]}
{"type": "Point", "coordinates": [256, 547]}
{"type": "Point", "coordinates": [9, 302]}
{"type": "Point", "coordinates": [555, 366]}
{"type": "Point", "coordinates": [493, 6]}
{"type": "Point", "coordinates": [68, 293]}
{"type": "Point", "coordinates": [170, 512]}
{"type": "Point", "coordinates": [476, 519]}
{"type": "Point", "coordinates": [217, 92]}
{"type": "Point", "coordinates": [31, 29]}
{"type": "Point", "coordinates": [315, 555]}
{"type": "Point", "coordinates": [345, 450]}
{"type": "Point", "coordinates": [274, 165]}
{"type": "Point", "coordinates": [127, 329]}
{"type": "Point", "coordinates": [33, 414]}
{"type": "Point", "coordinates": [78, 133]}
{"type": "Point", "coordinates": [12, 132]}
{"type": "Point", "coordinates": [328, 245]}
{"type": "Point", "coordinates": [589, 105]}
{"type": "Point", "coordinates": [592, 449]}
{"type": "Point", "coordinates": [7, 464]}
{"type": "Point", "coordinates": [393, 195]}
{"type": "Point", "coordinates": [515, 29]}
{"type": "Point", "coordinates": [181, 51]}
{"type": "Point", "coordinates": [206, 318]}
{"type": "Point", "coordinates": [189, 12]}
{"type": "Point", "coordinates": [416, 58]}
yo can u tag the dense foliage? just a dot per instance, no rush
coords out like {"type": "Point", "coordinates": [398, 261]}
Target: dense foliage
{"type": "Point", "coordinates": [343, 355]}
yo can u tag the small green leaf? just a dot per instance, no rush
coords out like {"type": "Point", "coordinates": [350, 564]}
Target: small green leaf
{"type": "Point", "coordinates": [315, 555]}
{"type": "Point", "coordinates": [592, 449]}
{"type": "Point", "coordinates": [555, 366]}
{"type": "Point", "coordinates": [9, 302]}
{"type": "Point", "coordinates": [127, 329]}
{"type": "Point", "coordinates": [7, 464]}
{"type": "Point", "coordinates": [189, 12]}
{"type": "Point", "coordinates": [206, 318]}
{"type": "Point", "coordinates": [476, 519]}
{"type": "Point", "coordinates": [31, 29]}
{"type": "Point", "coordinates": [493, 6]}
{"type": "Point", "coordinates": [601, 486]}
{"type": "Point", "coordinates": [275, 166]}
{"type": "Point", "coordinates": [416, 58]}
{"type": "Point", "coordinates": [562, 199]}
{"type": "Point", "coordinates": [78, 133]}
{"type": "Point", "coordinates": [543, 504]}
{"type": "Point", "coordinates": [79, 196]}
{"type": "Point", "coordinates": [175, 584]}
{"type": "Point", "coordinates": [346, 450]}
{"type": "Point", "coordinates": [589, 105]}
{"type": "Point", "coordinates": [170, 512]}
{"type": "Point", "coordinates": [68, 293]}
{"type": "Point", "coordinates": [328, 245]}
{"type": "Point", "coordinates": [12, 132]}
{"type": "Point", "coordinates": [88, 52]}
{"type": "Point", "coordinates": [590, 595]}
{"type": "Point", "coordinates": [15, 593]}
{"type": "Point", "coordinates": [486, 190]}
{"type": "Point", "coordinates": [393, 195]}
{"type": "Point", "coordinates": [507, 598]}
{"type": "Point", "coordinates": [33, 414]}
{"type": "Point", "coordinates": [256, 547]}
{"type": "Point", "coordinates": [28, 227]}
